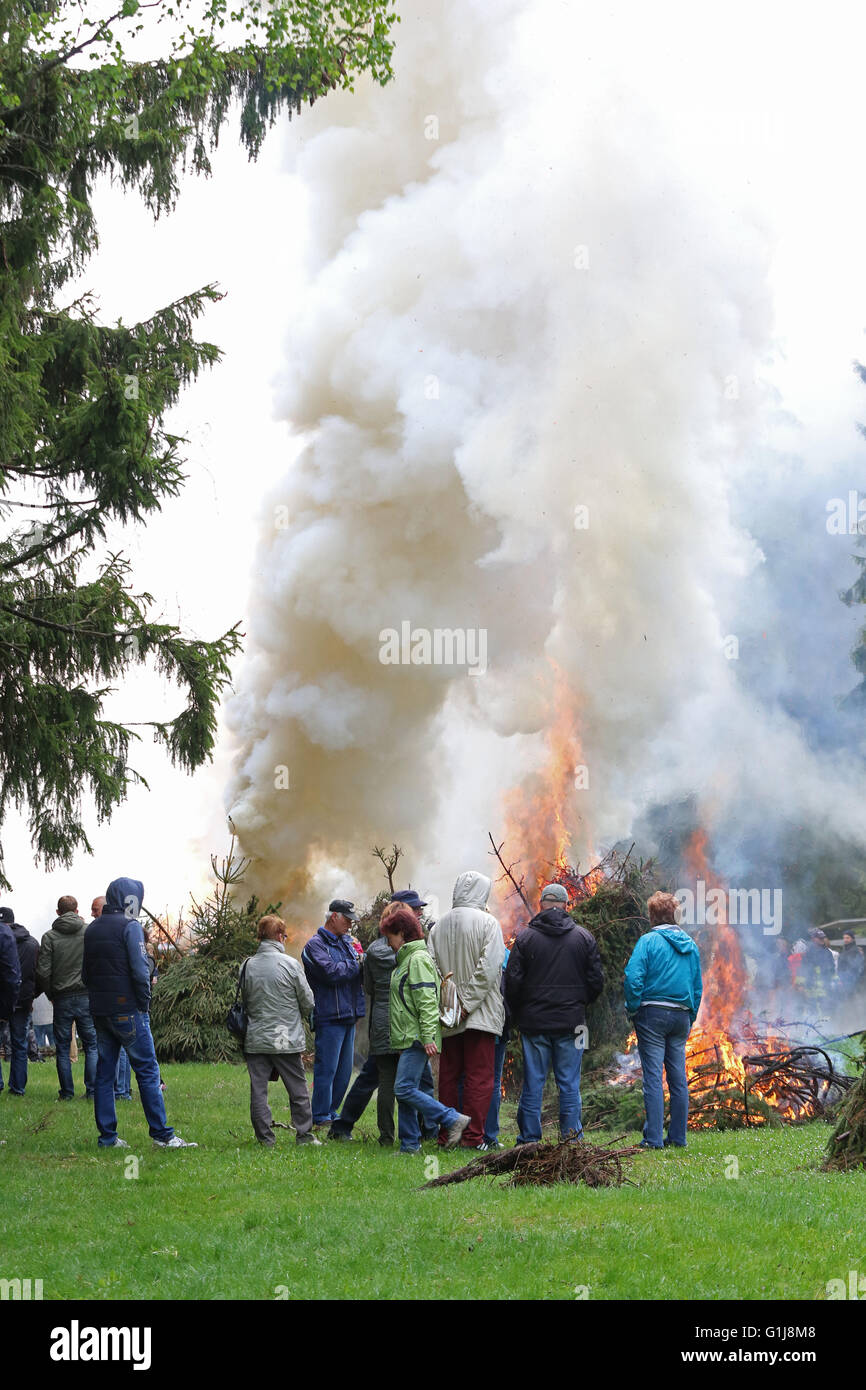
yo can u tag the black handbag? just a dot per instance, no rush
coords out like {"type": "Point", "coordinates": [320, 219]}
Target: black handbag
{"type": "Point", "coordinates": [237, 1018]}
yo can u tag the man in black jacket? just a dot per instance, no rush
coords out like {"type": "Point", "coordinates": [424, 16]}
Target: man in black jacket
{"type": "Point", "coordinates": [10, 975]}
{"type": "Point", "coordinates": [553, 972]}
{"type": "Point", "coordinates": [19, 1022]}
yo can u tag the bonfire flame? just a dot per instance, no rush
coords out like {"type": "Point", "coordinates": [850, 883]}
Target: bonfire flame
{"type": "Point", "coordinates": [538, 815]}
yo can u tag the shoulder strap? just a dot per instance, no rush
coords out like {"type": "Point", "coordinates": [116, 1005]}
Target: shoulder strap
{"type": "Point", "coordinates": [241, 979]}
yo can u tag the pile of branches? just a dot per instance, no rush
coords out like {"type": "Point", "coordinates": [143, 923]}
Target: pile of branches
{"type": "Point", "coordinates": [847, 1147]}
{"type": "Point", "coordinates": [787, 1084]}
{"type": "Point", "coordinates": [542, 1164]}
{"type": "Point", "coordinates": [610, 901]}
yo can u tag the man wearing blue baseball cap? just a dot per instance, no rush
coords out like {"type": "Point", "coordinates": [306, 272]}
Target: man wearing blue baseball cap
{"type": "Point", "coordinates": [333, 969]}
{"type": "Point", "coordinates": [409, 898]}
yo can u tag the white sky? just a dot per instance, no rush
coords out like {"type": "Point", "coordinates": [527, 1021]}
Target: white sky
{"type": "Point", "coordinates": [765, 101]}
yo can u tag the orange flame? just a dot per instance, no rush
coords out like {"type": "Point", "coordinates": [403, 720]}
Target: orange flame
{"type": "Point", "coordinates": [540, 814]}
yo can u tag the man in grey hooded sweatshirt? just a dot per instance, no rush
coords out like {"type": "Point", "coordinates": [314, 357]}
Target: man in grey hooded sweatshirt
{"type": "Point", "coordinates": [467, 944]}
{"type": "Point", "coordinates": [58, 975]}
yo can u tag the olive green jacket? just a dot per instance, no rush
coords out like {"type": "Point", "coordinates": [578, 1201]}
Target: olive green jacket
{"type": "Point", "coordinates": [414, 998]}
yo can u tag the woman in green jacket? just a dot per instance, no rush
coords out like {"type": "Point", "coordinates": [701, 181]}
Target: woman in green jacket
{"type": "Point", "coordinates": [416, 1034]}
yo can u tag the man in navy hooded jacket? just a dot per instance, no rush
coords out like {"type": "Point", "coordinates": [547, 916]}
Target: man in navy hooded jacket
{"type": "Point", "coordinates": [116, 971]}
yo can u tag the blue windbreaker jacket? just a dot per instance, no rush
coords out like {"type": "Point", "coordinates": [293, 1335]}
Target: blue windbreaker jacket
{"type": "Point", "coordinates": [333, 968]}
{"type": "Point", "coordinates": [665, 965]}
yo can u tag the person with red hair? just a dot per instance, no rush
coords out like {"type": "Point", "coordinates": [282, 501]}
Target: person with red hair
{"type": "Point", "coordinates": [416, 1033]}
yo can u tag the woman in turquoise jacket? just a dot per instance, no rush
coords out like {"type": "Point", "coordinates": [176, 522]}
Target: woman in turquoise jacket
{"type": "Point", "coordinates": [662, 995]}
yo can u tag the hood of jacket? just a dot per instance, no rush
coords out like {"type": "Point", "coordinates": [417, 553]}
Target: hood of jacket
{"type": "Point", "coordinates": [68, 924]}
{"type": "Point", "coordinates": [679, 939]}
{"type": "Point", "coordinates": [554, 921]}
{"type": "Point", "coordinates": [20, 933]}
{"type": "Point", "coordinates": [118, 893]}
{"type": "Point", "coordinates": [472, 890]}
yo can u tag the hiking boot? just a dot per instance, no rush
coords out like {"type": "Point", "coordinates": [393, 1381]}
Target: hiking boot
{"type": "Point", "coordinates": [174, 1143]}
{"type": "Point", "coordinates": [340, 1136]}
{"type": "Point", "coordinates": [455, 1131]}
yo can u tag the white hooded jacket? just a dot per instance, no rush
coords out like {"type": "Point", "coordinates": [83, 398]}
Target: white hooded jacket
{"type": "Point", "coordinates": [467, 944]}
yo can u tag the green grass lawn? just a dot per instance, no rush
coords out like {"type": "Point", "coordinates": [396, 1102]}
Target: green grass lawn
{"type": "Point", "coordinates": [231, 1220]}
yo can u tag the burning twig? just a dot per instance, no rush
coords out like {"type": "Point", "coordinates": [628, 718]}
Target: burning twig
{"type": "Point", "coordinates": [540, 1164]}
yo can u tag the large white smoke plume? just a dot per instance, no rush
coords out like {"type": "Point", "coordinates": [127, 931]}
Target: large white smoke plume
{"type": "Point", "coordinates": [526, 371]}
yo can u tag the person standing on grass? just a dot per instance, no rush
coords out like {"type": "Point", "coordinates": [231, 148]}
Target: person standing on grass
{"type": "Point", "coordinates": [416, 1034]}
{"type": "Point", "coordinates": [554, 971]}
{"type": "Point", "coordinates": [58, 975]}
{"type": "Point", "coordinates": [333, 967]}
{"type": "Point", "coordinates": [10, 977]}
{"type": "Point", "coordinates": [19, 1022]}
{"type": "Point", "coordinates": [663, 994]}
{"type": "Point", "coordinates": [491, 1124]}
{"type": "Point", "coordinates": [277, 999]}
{"type": "Point", "coordinates": [379, 1072]}
{"type": "Point", "coordinates": [467, 944]}
{"type": "Point", "coordinates": [117, 975]}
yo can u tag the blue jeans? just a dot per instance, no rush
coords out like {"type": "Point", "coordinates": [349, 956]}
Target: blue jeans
{"type": "Point", "coordinates": [491, 1124]}
{"type": "Point", "coordinates": [413, 1100]}
{"type": "Point", "coordinates": [132, 1031]}
{"type": "Point", "coordinates": [123, 1076]}
{"type": "Point", "coordinates": [661, 1039]}
{"type": "Point", "coordinates": [69, 1009]}
{"type": "Point", "coordinates": [541, 1051]}
{"type": "Point", "coordinates": [332, 1069]}
{"type": "Point", "coordinates": [19, 1026]}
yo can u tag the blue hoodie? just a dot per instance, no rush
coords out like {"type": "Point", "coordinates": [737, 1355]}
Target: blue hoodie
{"type": "Point", "coordinates": [116, 969]}
{"type": "Point", "coordinates": [665, 966]}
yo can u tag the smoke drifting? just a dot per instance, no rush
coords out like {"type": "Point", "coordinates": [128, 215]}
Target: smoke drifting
{"type": "Point", "coordinates": [525, 377]}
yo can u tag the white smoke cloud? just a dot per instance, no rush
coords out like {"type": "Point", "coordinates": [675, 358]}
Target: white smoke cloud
{"type": "Point", "coordinates": [531, 292]}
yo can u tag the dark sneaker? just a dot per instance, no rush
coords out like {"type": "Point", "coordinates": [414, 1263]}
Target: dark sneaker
{"type": "Point", "coordinates": [340, 1136]}
{"type": "Point", "coordinates": [645, 1144]}
{"type": "Point", "coordinates": [309, 1139]}
{"type": "Point", "coordinates": [489, 1146]}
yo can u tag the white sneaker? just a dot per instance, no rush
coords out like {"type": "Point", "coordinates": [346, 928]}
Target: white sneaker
{"type": "Point", "coordinates": [175, 1142]}
{"type": "Point", "coordinates": [118, 1144]}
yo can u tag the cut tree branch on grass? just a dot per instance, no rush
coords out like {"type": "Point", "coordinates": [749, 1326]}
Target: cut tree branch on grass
{"type": "Point", "coordinates": [541, 1164]}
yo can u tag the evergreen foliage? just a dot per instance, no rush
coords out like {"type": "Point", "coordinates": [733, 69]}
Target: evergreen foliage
{"type": "Point", "coordinates": [847, 1146]}
{"type": "Point", "coordinates": [196, 988]}
{"type": "Point", "coordinates": [616, 916]}
{"type": "Point", "coordinates": [83, 441]}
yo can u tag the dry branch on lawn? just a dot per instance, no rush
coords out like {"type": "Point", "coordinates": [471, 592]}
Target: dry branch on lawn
{"type": "Point", "coordinates": [541, 1164]}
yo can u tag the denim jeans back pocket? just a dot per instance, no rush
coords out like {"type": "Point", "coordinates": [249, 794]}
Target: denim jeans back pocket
{"type": "Point", "coordinates": [123, 1028]}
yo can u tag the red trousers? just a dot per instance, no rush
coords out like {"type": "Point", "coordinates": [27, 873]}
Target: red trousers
{"type": "Point", "coordinates": [468, 1057]}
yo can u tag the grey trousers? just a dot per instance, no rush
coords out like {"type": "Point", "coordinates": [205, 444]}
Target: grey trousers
{"type": "Point", "coordinates": [293, 1077]}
